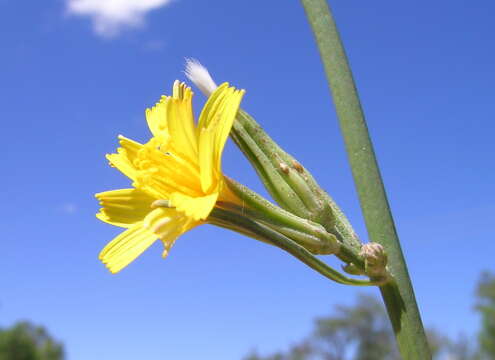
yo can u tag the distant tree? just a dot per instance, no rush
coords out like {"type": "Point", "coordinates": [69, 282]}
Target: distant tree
{"type": "Point", "coordinates": [486, 307]}
{"type": "Point", "coordinates": [462, 349]}
{"type": "Point", "coordinates": [25, 341]}
{"type": "Point", "coordinates": [359, 332]}
{"type": "Point", "coordinates": [301, 351]}
{"type": "Point", "coordinates": [362, 329]}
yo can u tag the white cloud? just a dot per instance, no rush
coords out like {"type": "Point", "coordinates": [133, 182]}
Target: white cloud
{"type": "Point", "coordinates": [109, 17]}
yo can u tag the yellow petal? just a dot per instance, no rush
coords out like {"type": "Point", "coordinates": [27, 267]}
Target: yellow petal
{"type": "Point", "coordinates": [206, 138]}
{"type": "Point", "coordinates": [124, 207]}
{"type": "Point", "coordinates": [168, 225]}
{"type": "Point", "coordinates": [156, 117]}
{"type": "Point", "coordinates": [180, 121]}
{"type": "Point", "coordinates": [206, 164]}
{"type": "Point", "coordinates": [211, 106]}
{"type": "Point", "coordinates": [123, 164]}
{"type": "Point", "coordinates": [161, 174]}
{"type": "Point", "coordinates": [214, 126]}
{"type": "Point", "coordinates": [126, 247]}
{"type": "Point", "coordinates": [224, 125]}
{"type": "Point", "coordinates": [196, 208]}
{"type": "Point", "coordinates": [125, 158]}
{"type": "Point", "coordinates": [130, 148]}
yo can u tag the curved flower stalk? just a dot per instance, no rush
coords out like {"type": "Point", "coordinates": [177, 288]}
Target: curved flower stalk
{"type": "Point", "coordinates": [177, 175]}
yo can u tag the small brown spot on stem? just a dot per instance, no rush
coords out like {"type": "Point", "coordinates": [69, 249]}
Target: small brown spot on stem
{"type": "Point", "coordinates": [284, 168]}
{"type": "Point", "coordinates": [297, 166]}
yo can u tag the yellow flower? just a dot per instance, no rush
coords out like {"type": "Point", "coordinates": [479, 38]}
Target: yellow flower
{"type": "Point", "coordinates": [180, 166]}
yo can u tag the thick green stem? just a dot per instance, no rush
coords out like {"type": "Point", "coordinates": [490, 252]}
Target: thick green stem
{"type": "Point", "coordinates": [399, 295]}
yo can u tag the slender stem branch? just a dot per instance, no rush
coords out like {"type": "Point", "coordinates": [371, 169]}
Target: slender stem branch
{"type": "Point", "coordinates": [264, 208]}
{"type": "Point", "coordinates": [399, 295]}
{"type": "Point", "coordinates": [261, 232]}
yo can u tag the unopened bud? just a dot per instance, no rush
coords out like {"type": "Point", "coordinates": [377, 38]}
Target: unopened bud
{"type": "Point", "coordinates": [375, 259]}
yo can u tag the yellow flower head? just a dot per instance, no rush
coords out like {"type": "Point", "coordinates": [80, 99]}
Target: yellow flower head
{"type": "Point", "coordinates": [180, 166]}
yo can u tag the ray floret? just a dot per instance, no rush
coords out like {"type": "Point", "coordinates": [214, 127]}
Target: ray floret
{"type": "Point", "coordinates": [180, 166]}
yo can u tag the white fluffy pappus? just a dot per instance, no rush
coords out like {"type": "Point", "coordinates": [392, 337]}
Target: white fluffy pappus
{"type": "Point", "coordinates": [200, 76]}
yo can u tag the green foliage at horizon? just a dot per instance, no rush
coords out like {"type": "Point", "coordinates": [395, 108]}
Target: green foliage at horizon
{"type": "Point", "coordinates": [25, 341]}
{"type": "Point", "coordinates": [362, 332]}
{"type": "Point", "coordinates": [486, 307]}
{"type": "Point", "coordinates": [352, 332]}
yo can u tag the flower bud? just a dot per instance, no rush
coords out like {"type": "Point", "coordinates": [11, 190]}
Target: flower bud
{"type": "Point", "coordinates": [375, 259]}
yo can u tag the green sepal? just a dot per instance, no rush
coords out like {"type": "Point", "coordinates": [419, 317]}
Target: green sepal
{"type": "Point", "coordinates": [352, 269]}
{"type": "Point", "coordinates": [306, 233]}
{"type": "Point", "coordinates": [248, 226]}
{"type": "Point", "coordinates": [288, 182]}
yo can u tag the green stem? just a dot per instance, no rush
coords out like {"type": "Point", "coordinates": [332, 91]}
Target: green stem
{"type": "Point", "coordinates": [399, 295]}
{"type": "Point", "coordinates": [307, 240]}
{"type": "Point", "coordinates": [263, 207]}
{"type": "Point", "coordinates": [266, 211]}
{"type": "Point", "coordinates": [244, 225]}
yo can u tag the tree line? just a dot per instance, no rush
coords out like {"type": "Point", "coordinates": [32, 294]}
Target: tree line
{"type": "Point", "coordinates": [363, 332]}
{"type": "Point", "coordinates": [357, 332]}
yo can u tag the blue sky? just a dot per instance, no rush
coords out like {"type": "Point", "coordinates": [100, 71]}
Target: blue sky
{"type": "Point", "coordinates": [74, 76]}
